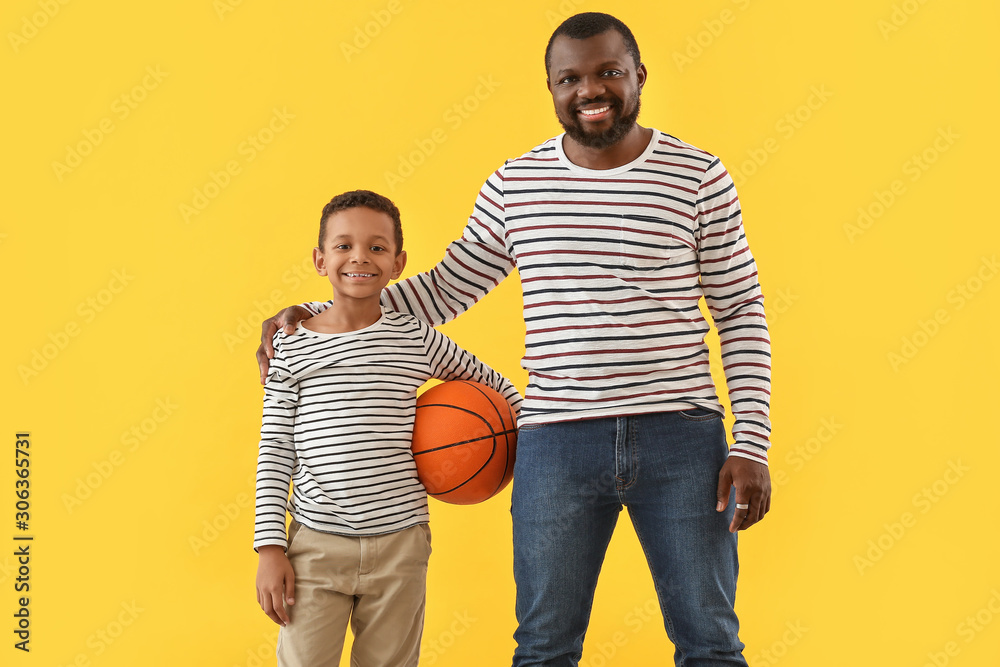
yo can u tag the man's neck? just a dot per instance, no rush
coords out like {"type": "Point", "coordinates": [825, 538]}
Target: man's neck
{"type": "Point", "coordinates": [623, 152]}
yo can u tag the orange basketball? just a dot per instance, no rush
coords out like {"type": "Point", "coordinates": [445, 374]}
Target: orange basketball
{"type": "Point", "coordinates": [463, 442]}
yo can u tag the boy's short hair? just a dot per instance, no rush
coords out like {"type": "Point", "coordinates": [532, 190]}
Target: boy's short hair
{"type": "Point", "coordinates": [368, 199]}
{"type": "Point", "coordinates": [588, 24]}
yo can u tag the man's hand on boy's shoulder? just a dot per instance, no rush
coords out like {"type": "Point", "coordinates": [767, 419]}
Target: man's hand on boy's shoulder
{"type": "Point", "coordinates": [285, 319]}
{"type": "Point", "coordinates": [275, 583]}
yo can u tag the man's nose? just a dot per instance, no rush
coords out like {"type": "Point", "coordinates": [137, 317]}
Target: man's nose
{"type": "Point", "coordinates": [590, 88]}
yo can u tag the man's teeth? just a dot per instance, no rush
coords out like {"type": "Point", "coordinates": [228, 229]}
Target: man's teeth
{"type": "Point", "coordinates": [594, 112]}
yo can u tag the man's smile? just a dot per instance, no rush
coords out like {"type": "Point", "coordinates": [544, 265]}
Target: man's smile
{"type": "Point", "coordinates": [595, 114]}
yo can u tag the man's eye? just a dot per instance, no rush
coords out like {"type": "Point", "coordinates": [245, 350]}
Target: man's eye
{"type": "Point", "coordinates": [568, 79]}
{"type": "Point", "coordinates": [612, 72]}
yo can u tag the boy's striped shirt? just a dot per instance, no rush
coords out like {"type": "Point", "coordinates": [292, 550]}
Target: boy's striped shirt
{"type": "Point", "coordinates": [337, 424]}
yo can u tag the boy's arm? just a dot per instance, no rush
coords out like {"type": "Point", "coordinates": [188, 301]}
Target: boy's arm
{"type": "Point", "coordinates": [471, 267]}
{"type": "Point", "coordinates": [448, 361]}
{"type": "Point", "coordinates": [275, 577]}
{"type": "Point", "coordinates": [276, 456]}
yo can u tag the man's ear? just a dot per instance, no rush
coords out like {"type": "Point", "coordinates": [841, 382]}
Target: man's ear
{"type": "Point", "coordinates": [398, 265]}
{"type": "Point", "coordinates": [640, 73]}
{"type": "Point", "coordinates": [319, 262]}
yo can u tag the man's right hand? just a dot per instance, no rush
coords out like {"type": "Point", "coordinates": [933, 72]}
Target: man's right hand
{"type": "Point", "coordinates": [286, 319]}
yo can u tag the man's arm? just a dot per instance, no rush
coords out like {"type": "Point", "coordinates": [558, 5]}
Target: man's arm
{"type": "Point", "coordinates": [733, 296]}
{"type": "Point", "coordinates": [472, 265]}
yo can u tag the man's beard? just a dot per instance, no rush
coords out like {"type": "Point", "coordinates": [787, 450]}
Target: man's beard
{"type": "Point", "coordinates": [609, 137]}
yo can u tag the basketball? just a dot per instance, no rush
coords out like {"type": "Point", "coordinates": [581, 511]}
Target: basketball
{"type": "Point", "coordinates": [463, 442]}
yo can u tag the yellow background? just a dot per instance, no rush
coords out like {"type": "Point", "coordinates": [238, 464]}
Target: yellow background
{"type": "Point", "coordinates": [856, 563]}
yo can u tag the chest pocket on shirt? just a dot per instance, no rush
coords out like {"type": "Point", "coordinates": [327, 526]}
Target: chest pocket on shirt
{"type": "Point", "coordinates": [648, 244]}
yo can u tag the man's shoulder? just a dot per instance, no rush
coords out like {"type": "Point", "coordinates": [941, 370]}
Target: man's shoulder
{"type": "Point", "coordinates": [543, 152]}
{"type": "Point", "coordinates": [670, 144]}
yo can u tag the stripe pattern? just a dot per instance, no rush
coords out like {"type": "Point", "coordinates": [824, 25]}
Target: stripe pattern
{"type": "Point", "coordinates": [337, 424]}
{"type": "Point", "coordinates": [613, 264]}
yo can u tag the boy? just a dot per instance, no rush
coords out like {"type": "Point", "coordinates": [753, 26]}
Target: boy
{"type": "Point", "coordinates": [339, 404]}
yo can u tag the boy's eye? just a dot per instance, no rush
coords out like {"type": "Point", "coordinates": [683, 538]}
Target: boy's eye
{"type": "Point", "coordinates": [377, 248]}
{"type": "Point", "coordinates": [343, 246]}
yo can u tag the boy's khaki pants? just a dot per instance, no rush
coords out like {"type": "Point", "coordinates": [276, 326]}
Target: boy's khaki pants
{"type": "Point", "coordinates": [378, 583]}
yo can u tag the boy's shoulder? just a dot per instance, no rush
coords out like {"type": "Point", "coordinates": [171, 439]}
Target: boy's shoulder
{"type": "Point", "coordinates": [302, 339]}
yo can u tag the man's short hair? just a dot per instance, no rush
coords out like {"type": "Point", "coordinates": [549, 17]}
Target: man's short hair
{"type": "Point", "coordinates": [588, 24]}
{"type": "Point", "coordinates": [368, 199]}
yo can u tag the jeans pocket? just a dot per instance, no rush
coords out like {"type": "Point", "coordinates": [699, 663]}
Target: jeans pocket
{"type": "Point", "coordinates": [530, 427]}
{"type": "Point", "coordinates": [699, 414]}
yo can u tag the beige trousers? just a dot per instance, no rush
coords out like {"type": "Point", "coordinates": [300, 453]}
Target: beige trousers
{"type": "Point", "coordinates": [377, 583]}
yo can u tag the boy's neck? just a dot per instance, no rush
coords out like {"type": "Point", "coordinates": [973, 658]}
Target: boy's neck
{"type": "Point", "coordinates": [345, 315]}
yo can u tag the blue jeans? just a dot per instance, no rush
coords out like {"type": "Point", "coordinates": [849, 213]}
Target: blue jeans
{"type": "Point", "coordinates": [571, 479]}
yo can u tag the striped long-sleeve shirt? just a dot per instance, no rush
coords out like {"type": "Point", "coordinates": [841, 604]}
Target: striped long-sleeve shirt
{"type": "Point", "coordinates": [613, 263]}
{"type": "Point", "coordinates": [338, 420]}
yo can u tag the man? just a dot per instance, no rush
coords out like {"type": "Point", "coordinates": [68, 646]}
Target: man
{"type": "Point", "coordinates": [617, 230]}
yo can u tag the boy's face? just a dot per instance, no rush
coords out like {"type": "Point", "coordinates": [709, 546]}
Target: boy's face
{"type": "Point", "coordinates": [359, 254]}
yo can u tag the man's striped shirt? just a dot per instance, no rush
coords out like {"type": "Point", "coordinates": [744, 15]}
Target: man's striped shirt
{"type": "Point", "coordinates": [338, 420]}
{"type": "Point", "coordinates": [612, 264]}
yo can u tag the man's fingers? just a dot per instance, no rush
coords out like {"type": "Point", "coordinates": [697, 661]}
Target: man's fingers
{"type": "Point", "coordinates": [266, 350]}
{"type": "Point", "coordinates": [741, 513]}
{"type": "Point", "coordinates": [751, 511]}
{"type": "Point", "coordinates": [722, 494]}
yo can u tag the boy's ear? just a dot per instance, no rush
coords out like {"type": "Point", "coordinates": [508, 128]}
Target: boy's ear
{"type": "Point", "coordinates": [319, 262]}
{"type": "Point", "coordinates": [398, 265]}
